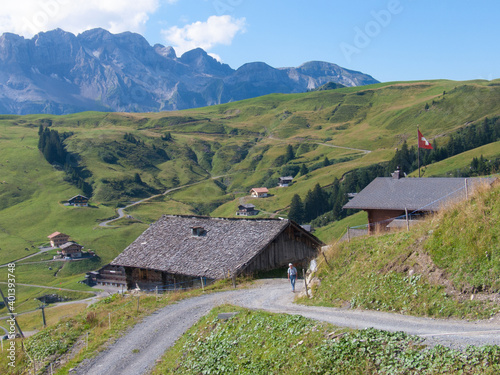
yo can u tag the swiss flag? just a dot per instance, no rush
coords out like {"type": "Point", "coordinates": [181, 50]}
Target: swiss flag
{"type": "Point", "coordinates": [422, 142]}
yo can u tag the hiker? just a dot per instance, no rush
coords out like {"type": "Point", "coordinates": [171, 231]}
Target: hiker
{"type": "Point", "coordinates": [292, 275]}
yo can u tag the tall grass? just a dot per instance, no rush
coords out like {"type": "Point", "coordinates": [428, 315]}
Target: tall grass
{"type": "Point", "coordinates": [431, 271]}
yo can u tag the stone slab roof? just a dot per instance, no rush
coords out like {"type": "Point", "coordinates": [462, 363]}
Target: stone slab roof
{"type": "Point", "coordinates": [422, 194]}
{"type": "Point", "coordinates": [226, 244]}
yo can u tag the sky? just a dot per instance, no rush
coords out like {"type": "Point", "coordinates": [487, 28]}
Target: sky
{"type": "Point", "coordinates": [392, 40]}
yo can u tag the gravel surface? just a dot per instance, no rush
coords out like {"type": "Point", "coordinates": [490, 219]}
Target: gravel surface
{"type": "Point", "coordinates": [137, 351]}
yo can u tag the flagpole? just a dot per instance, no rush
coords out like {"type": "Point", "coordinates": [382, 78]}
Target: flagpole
{"type": "Point", "coordinates": [418, 153]}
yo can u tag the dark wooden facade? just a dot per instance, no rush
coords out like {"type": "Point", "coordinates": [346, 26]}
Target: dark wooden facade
{"type": "Point", "coordinates": [108, 275]}
{"type": "Point", "coordinates": [168, 256]}
{"type": "Point", "coordinates": [291, 246]}
{"type": "Point", "coordinates": [246, 210]}
{"type": "Point", "coordinates": [150, 279]}
{"type": "Point", "coordinates": [285, 181]}
{"type": "Point", "coordinates": [78, 201]}
{"type": "Point", "coordinates": [71, 249]}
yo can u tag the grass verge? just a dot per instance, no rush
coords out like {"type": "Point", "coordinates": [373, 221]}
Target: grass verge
{"type": "Point", "coordinates": [448, 266]}
{"type": "Point", "coordinates": [255, 342]}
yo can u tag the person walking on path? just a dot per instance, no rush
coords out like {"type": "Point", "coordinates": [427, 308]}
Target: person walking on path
{"type": "Point", "coordinates": [292, 275]}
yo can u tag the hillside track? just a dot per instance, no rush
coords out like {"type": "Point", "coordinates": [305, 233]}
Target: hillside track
{"type": "Point", "coordinates": [137, 351]}
{"type": "Point", "coordinates": [121, 211]}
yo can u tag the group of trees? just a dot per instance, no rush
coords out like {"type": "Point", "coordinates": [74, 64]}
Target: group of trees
{"type": "Point", "coordinates": [473, 136]}
{"type": "Point", "coordinates": [129, 137]}
{"type": "Point", "coordinates": [481, 166]}
{"type": "Point", "coordinates": [323, 205]}
{"type": "Point", "coordinates": [50, 143]}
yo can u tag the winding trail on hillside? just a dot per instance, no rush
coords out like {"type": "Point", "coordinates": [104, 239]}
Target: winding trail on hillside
{"type": "Point", "coordinates": [121, 213]}
{"type": "Point", "coordinates": [137, 351]}
{"type": "Point", "coordinates": [320, 143]}
{"type": "Point", "coordinates": [41, 251]}
{"type": "Point", "coordinates": [52, 287]}
{"type": "Point", "coordinates": [346, 148]}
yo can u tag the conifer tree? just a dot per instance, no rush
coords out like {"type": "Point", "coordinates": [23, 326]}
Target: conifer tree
{"type": "Point", "coordinates": [296, 212]}
{"type": "Point", "coordinates": [303, 170]}
{"type": "Point", "coordinates": [290, 155]}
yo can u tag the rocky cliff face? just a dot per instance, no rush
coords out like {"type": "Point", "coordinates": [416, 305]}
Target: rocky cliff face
{"type": "Point", "coordinates": [57, 72]}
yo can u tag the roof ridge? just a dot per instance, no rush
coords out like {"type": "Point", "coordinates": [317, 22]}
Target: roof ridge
{"type": "Point", "coordinates": [223, 218]}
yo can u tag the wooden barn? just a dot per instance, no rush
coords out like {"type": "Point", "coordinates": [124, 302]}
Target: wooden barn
{"type": "Point", "coordinates": [78, 201]}
{"type": "Point", "coordinates": [183, 250]}
{"type": "Point", "coordinates": [108, 275]}
{"type": "Point", "coordinates": [285, 181]}
{"type": "Point", "coordinates": [388, 200]}
{"type": "Point", "coordinates": [70, 249]}
{"type": "Point", "coordinates": [246, 210]}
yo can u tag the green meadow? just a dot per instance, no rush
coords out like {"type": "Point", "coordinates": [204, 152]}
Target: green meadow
{"type": "Point", "coordinates": [212, 157]}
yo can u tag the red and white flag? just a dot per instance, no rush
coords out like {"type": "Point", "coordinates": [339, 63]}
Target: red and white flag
{"type": "Point", "coordinates": [422, 142]}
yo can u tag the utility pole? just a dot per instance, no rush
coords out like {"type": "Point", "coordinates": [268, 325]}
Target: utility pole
{"type": "Point", "coordinates": [43, 315]}
{"type": "Point", "coordinates": [11, 314]}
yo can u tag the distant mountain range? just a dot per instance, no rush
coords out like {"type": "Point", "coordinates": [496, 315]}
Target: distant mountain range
{"type": "Point", "coordinates": [57, 72]}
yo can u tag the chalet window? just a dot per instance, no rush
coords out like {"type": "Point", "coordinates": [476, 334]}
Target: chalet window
{"type": "Point", "coordinates": [198, 231]}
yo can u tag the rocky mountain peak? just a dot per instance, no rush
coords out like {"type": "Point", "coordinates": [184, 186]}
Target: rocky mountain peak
{"type": "Point", "coordinates": [201, 61]}
{"type": "Point", "coordinates": [167, 52]}
{"type": "Point", "coordinates": [58, 72]}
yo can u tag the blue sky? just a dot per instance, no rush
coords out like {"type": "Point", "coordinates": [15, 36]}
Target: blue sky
{"type": "Point", "coordinates": [388, 39]}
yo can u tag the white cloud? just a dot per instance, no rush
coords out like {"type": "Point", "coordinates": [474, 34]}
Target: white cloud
{"type": "Point", "coordinates": [216, 30]}
{"type": "Point", "coordinates": [28, 17]}
{"type": "Point", "coordinates": [215, 56]}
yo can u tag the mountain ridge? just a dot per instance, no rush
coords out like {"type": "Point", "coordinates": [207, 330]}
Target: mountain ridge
{"type": "Point", "coordinates": [57, 72]}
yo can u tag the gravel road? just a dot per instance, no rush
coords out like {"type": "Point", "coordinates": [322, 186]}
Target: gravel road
{"type": "Point", "coordinates": [137, 351]}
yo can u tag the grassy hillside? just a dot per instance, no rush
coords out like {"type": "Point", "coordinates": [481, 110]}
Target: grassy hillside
{"type": "Point", "coordinates": [219, 153]}
{"type": "Point", "coordinates": [434, 271]}
{"type": "Point", "coordinates": [446, 266]}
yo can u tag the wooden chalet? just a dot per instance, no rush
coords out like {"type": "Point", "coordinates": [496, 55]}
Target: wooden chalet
{"type": "Point", "coordinates": [108, 275]}
{"type": "Point", "coordinates": [247, 210]}
{"type": "Point", "coordinates": [78, 201]}
{"type": "Point", "coordinates": [70, 249]}
{"type": "Point", "coordinates": [261, 192]}
{"type": "Point", "coordinates": [391, 201]}
{"type": "Point", "coordinates": [57, 239]}
{"type": "Point", "coordinates": [183, 250]}
{"type": "Point", "coordinates": [285, 181]}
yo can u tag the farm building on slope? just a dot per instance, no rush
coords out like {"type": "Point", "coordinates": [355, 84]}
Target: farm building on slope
{"type": "Point", "coordinates": [388, 199]}
{"type": "Point", "coordinates": [57, 239]}
{"type": "Point", "coordinates": [261, 192]}
{"type": "Point", "coordinates": [186, 249]}
{"type": "Point", "coordinates": [78, 201]}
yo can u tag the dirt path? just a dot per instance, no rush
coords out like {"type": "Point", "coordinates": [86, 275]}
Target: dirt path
{"type": "Point", "coordinates": [136, 351]}
{"type": "Point", "coordinates": [319, 143]}
{"type": "Point", "coordinates": [121, 213]}
{"type": "Point", "coordinates": [346, 148]}
{"type": "Point", "coordinates": [43, 250]}
{"type": "Point", "coordinates": [53, 287]}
